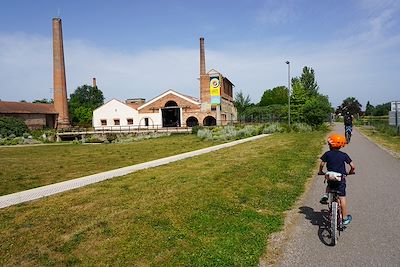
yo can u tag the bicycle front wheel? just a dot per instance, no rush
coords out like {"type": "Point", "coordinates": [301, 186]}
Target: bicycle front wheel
{"type": "Point", "coordinates": [334, 225]}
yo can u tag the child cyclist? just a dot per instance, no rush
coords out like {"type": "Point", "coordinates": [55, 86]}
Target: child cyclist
{"type": "Point", "coordinates": [335, 161]}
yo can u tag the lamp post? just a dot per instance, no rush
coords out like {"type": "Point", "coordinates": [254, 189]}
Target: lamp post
{"type": "Point", "coordinates": [288, 63]}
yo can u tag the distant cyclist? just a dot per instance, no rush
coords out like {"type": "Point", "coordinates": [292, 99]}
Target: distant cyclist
{"type": "Point", "coordinates": [348, 125]}
{"type": "Point", "coordinates": [336, 161]}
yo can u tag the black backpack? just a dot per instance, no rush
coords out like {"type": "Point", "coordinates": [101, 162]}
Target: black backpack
{"type": "Point", "coordinates": [348, 120]}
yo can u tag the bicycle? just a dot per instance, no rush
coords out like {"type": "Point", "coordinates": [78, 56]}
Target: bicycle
{"type": "Point", "coordinates": [335, 211]}
{"type": "Point", "coordinates": [347, 132]}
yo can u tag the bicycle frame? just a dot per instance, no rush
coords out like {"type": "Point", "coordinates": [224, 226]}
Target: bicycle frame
{"type": "Point", "coordinates": [347, 132]}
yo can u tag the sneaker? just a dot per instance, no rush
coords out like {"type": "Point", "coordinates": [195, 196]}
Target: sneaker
{"type": "Point", "coordinates": [324, 199]}
{"type": "Point", "coordinates": [347, 220]}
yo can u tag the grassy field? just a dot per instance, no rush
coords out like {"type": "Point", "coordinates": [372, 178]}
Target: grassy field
{"type": "Point", "coordinates": [27, 167]}
{"type": "Point", "coordinates": [216, 209]}
{"type": "Point", "coordinates": [390, 142]}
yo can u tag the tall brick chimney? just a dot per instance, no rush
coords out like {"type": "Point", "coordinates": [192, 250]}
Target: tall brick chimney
{"type": "Point", "coordinates": [59, 80]}
{"type": "Point", "coordinates": [94, 83]}
{"type": "Point", "coordinates": [204, 77]}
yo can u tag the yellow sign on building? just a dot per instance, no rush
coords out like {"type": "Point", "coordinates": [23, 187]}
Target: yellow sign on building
{"type": "Point", "coordinates": [215, 86]}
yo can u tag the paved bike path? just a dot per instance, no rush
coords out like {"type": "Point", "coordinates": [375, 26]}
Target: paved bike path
{"type": "Point", "coordinates": [48, 190]}
{"type": "Point", "coordinates": [373, 237]}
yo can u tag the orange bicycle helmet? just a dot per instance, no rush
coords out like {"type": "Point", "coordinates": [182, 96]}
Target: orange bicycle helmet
{"type": "Point", "coordinates": [337, 141]}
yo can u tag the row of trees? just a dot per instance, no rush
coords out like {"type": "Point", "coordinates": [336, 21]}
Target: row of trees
{"type": "Point", "coordinates": [306, 103]}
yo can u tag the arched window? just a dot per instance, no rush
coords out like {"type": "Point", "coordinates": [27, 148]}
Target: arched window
{"type": "Point", "coordinates": [192, 121]}
{"type": "Point", "coordinates": [209, 121]}
{"type": "Point", "coordinates": [171, 104]}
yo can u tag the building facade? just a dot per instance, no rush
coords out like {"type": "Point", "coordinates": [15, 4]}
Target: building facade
{"type": "Point", "coordinates": [173, 109]}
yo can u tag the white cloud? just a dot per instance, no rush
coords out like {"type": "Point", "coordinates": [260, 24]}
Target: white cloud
{"type": "Point", "coordinates": [356, 65]}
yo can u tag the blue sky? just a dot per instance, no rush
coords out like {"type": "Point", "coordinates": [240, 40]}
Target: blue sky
{"type": "Point", "coordinates": [143, 48]}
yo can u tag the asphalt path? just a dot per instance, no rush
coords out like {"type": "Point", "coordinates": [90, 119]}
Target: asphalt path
{"type": "Point", "coordinates": [373, 197]}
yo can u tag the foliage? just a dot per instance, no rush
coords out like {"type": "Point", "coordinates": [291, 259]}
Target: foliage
{"type": "Point", "coordinates": [273, 128]}
{"type": "Point", "coordinates": [12, 125]}
{"type": "Point", "coordinates": [265, 113]}
{"type": "Point", "coordinates": [298, 98]}
{"type": "Point", "coordinates": [204, 134]}
{"type": "Point", "coordinates": [82, 102]}
{"type": "Point", "coordinates": [351, 105]}
{"type": "Point", "coordinates": [43, 101]}
{"type": "Point", "coordinates": [301, 128]}
{"type": "Point", "coordinates": [382, 110]}
{"type": "Point", "coordinates": [241, 102]}
{"type": "Point", "coordinates": [317, 110]}
{"type": "Point", "coordinates": [307, 79]}
{"type": "Point", "coordinates": [369, 109]}
{"type": "Point", "coordinates": [229, 132]}
{"type": "Point", "coordinates": [196, 128]}
{"type": "Point", "coordinates": [276, 96]}
{"type": "Point", "coordinates": [303, 102]}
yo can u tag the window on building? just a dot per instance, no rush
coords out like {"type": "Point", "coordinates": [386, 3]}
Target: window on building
{"type": "Point", "coordinates": [146, 121]}
{"type": "Point", "coordinates": [213, 107]}
{"type": "Point", "coordinates": [130, 121]}
{"type": "Point", "coordinates": [103, 122]}
{"type": "Point", "coordinates": [116, 122]}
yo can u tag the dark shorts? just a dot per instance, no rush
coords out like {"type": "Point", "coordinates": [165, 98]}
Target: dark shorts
{"type": "Point", "coordinates": [339, 186]}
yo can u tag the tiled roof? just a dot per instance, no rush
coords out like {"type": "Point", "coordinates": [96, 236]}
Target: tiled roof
{"type": "Point", "coordinates": [26, 108]}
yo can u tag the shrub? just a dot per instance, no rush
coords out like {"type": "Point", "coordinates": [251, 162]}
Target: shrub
{"type": "Point", "coordinates": [11, 125]}
{"type": "Point", "coordinates": [205, 134]}
{"type": "Point", "coordinates": [227, 133]}
{"type": "Point", "coordinates": [247, 131]}
{"type": "Point", "coordinates": [273, 128]}
{"type": "Point", "coordinates": [301, 128]}
{"type": "Point", "coordinates": [316, 110]}
{"type": "Point", "coordinates": [196, 128]}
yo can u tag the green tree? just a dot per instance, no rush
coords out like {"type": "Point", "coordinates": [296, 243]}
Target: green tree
{"type": "Point", "coordinates": [316, 110]}
{"type": "Point", "coordinates": [276, 96]}
{"type": "Point", "coordinates": [297, 100]}
{"type": "Point", "coordinates": [241, 102]}
{"type": "Point", "coordinates": [308, 81]}
{"type": "Point", "coordinates": [43, 101]}
{"type": "Point", "coordinates": [369, 109]}
{"type": "Point", "coordinates": [351, 105]}
{"type": "Point", "coordinates": [82, 102]}
{"type": "Point", "coordinates": [382, 110]}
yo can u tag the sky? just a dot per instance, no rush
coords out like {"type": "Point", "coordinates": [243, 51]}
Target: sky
{"type": "Point", "coordinates": [142, 48]}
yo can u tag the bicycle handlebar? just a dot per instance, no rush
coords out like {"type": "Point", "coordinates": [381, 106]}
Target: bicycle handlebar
{"type": "Point", "coordinates": [323, 173]}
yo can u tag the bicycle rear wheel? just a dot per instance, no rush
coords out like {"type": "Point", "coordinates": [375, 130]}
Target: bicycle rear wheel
{"type": "Point", "coordinates": [334, 223]}
{"type": "Point", "coordinates": [348, 136]}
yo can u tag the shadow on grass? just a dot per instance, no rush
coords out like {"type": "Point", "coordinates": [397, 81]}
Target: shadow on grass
{"type": "Point", "coordinates": [320, 219]}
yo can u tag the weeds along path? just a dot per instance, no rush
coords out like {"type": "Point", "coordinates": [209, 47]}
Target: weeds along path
{"type": "Point", "coordinates": [44, 191]}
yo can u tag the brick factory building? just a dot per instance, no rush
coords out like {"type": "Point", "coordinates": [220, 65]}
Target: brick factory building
{"type": "Point", "coordinates": [173, 109]}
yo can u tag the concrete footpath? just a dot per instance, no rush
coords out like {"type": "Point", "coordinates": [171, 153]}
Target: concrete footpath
{"type": "Point", "coordinates": [373, 237]}
{"type": "Point", "coordinates": [48, 190]}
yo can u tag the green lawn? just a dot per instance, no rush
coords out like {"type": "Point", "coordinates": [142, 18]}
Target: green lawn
{"type": "Point", "coordinates": [216, 209]}
{"type": "Point", "coordinates": [27, 167]}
